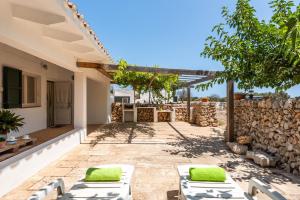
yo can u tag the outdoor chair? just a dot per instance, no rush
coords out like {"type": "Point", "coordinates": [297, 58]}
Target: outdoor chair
{"type": "Point", "coordinates": [91, 190]}
{"type": "Point", "coordinates": [202, 190]}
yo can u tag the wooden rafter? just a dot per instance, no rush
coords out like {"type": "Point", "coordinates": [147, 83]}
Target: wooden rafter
{"type": "Point", "coordinates": [200, 80]}
{"type": "Point", "coordinates": [105, 73]}
{"type": "Point", "coordinates": [97, 67]}
{"type": "Point", "coordinates": [114, 67]}
{"type": "Point", "coordinates": [188, 77]}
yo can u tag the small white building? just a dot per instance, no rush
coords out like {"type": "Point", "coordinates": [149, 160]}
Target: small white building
{"type": "Point", "coordinates": [126, 95]}
{"type": "Point", "coordinates": [40, 44]}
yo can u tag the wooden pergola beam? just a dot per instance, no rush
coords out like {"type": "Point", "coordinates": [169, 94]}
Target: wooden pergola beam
{"type": "Point", "coordinates": [200, 80]}
{"type": "Point", "coordinates": [188, 104]}
{"type": "Point", "coordinates": [230, 112]}
{"type": "Point", "coordinates": [97, 67]}
{"type": "Point", "coordinates": [102, 71]}
{"type": "Point", "coordinates": [114, 67]}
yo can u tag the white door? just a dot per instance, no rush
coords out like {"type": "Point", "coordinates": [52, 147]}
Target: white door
{"type": "Point", "coordinates": [63, 103]}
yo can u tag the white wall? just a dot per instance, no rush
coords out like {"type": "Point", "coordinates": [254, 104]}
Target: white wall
{"type": "Point", "coordinates": [35, 118]}
{"type": "Point", "coordinates": [12, 170]}
{"type": "Point", "coordinates": [98, 102]}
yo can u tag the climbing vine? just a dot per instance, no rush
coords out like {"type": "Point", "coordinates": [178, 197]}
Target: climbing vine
{"type": "Point", "coordinates": [143, 82]}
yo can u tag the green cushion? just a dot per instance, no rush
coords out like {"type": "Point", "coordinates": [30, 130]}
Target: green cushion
{"type": "Point", "coordinates": [103, 174]}
{"type": "Point", "coordinates": [212, 174]}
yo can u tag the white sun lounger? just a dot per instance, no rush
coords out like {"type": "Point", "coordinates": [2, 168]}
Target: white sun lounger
{"type": "Point", "coordinates": [120, 190]}
{"type": "Point", "coordinates": [198, 190]}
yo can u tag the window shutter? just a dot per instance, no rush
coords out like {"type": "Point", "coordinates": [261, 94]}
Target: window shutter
{"type": "Point", "coordinates": [12, 88]}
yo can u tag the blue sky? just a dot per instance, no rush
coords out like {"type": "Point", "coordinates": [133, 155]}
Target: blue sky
{"type": "Point", "coordinates": [168, 33]}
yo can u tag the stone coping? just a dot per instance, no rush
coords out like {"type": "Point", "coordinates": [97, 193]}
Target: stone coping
{"type": "Point", "coordinates": [34, 149]}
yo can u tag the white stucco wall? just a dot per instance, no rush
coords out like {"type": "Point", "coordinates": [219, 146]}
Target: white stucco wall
{"type": "Point", "coordinates": [98, 102]}
{"type": "Point", "coordinates": [35, 118]}
{"type": "Point", "coordinates": [12, 170]}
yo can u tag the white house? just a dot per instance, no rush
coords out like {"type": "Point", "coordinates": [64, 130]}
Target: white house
{"type": "Point", "coordinates": [127, 95]}
{"type": "Point", "coordinates": [40, 43]}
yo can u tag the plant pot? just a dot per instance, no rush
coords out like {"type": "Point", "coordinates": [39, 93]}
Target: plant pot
{"type": "Point", "coordinates": [3, 133]}
{"type": "Point", "coordinates": [204, 100]}
{"type": "Point", "coordinates": [239, 96]}
{"type": "Point", "coordinates": [2, 144]}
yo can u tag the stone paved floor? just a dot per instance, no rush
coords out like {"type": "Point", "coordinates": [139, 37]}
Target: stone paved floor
{"type": "Point", "coordinates": [155, 149]}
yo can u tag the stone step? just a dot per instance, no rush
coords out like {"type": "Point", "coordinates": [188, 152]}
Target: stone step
{"type": "Point", "coordinates": [261, 158]}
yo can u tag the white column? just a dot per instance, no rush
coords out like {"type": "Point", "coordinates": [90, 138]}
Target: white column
{"type": "Point", "coordinates": [98, 102]}
{"type": "Point", "coordinates": [173, 115]}
{"type": "Point", "coordinates": [108, 103]}
{"type": "Point", "coordinates": [155, 115]}
{"type": "Point", "coordinates": [134, 113]}
{"type": "Point", "coordinates": [80, 102]}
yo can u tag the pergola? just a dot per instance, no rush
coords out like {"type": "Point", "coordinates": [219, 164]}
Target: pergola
{"type": "Point", "coordinates": [187, 77]}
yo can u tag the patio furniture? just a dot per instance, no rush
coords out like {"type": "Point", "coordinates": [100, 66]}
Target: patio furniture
{"type": "Point", "coordinates": [10, 150]}
{"type": "Point", "coordinates": [91, 190]}
{"type": "Point", "coordinates": [194, 190]}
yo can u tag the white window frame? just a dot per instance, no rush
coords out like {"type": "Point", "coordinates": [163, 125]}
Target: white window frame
{"type": "Point", "coordinates": [37, 92]}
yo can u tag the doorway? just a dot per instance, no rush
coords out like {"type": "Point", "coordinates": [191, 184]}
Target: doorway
{"type": "Point", "coordinates": [63, 103]}
{"type": "Point", "coordinates": [50, 104]}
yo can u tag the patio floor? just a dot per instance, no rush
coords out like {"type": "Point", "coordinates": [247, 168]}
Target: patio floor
{"type": "Point", "coordinates": [155, 149]}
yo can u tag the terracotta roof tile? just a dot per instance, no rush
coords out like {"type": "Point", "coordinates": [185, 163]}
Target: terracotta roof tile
{"type": "Point", "coordinates": [80, 17]}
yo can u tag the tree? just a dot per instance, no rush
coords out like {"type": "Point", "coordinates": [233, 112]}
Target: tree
{"type": "Point", "coordinates": [278, 95]}
{"type": "Point", "coordinates": [216, 98]}
{"type": "Point", "coordinates": [255, 53]}
{"type": "Point", "coordinates": [143, 82]}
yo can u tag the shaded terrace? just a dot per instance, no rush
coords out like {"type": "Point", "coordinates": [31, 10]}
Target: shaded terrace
{"type": "Point", "coordinates": [155, 149]}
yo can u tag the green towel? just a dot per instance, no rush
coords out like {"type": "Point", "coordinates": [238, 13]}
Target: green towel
{"type": "Point", "coordinates": [212, 174]}
{"type": "Point", "coordinates": [103, 174]}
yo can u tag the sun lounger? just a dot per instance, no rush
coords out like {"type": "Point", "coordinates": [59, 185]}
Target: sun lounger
{"type": "Point", "coordinates": [120, 190]}
{"type": "Point", "coordinates": [196, 190]}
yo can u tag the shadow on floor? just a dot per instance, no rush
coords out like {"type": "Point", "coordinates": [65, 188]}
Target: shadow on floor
{"type": "Point", "coordinates": [129, 131]}
{"type": "Point", "coordinates": [193, 147]}
{"type": "Point", "coordinates": [214, 145]}
{"type": "Point", "coordinates": [172, 195]}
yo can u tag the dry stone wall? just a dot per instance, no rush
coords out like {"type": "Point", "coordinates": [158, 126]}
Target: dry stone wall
{"type": "Point", "coordinates": [145, 114]}
{"type": "Point", "coordinates": [116, 112]}
{"type": "Point", "coordinates": [274, 126]}
{"type": "Point", "coordinates": [181, 114]}
{"type": "Point", "coordinates": [163, 116]}
{"type": "Point", "coordinates": [204, 114]}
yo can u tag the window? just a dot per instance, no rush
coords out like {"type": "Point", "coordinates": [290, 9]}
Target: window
{"type": "Point", "coordinates": [12, 88]}
{"type": "Point", "coordinates": [122, 99]}
{"type": "Point", "coordinates": [20, 89]}
{"type": "Point", "coordinates": [31, 90]}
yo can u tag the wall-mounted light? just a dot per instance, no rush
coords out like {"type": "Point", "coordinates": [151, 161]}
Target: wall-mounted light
{"type": "Point", "coordinates": [44, 65]}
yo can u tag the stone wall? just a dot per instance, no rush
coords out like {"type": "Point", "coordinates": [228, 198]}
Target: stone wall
{"type": "Point", "coordinates": [116, 112]}
{"type": "Point", "coordinates": [145, 114]}
{"type": "Point", "coordinates": [274, 126]}
{"type": "Point", "coordinates": [204, 114]}
{"type": "Point", "coordinates": [163, 116]}
{"type": "Point", "coordinates": [181, 114]}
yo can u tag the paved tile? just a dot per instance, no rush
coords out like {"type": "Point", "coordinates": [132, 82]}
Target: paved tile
{"type": "Point", "coordinates": [155, 149]}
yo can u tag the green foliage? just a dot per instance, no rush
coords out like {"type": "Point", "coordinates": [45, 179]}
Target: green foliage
{"type": "Point", "coordinates": [277, 95]}
{"type": "Point", "coordinates": [216, 98]}
{"type": "Point", "coordinates": [256, 53]}
{"type": "Point", "coordinates": [143, 82]}
{"type": "Point", "coordinates": [9, 121]}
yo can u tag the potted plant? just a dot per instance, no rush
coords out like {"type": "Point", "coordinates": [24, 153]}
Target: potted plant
{"type": "Point", "coordinates": [2, 142]}
{"type": "Point", "coordinates": [9, 121]}
{"type": "Point", "coordinates": [204, 99]}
